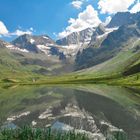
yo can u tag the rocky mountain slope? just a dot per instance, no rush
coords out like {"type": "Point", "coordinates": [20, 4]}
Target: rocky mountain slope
{"type": "Point", "coordinates": [33, 43]}
{"type": "Point", "coordinates": [120, 39]}
{"type": "Point", "coordinates": [77, 38]}
{"type": "Point", "coordinates": [37, 44]}
{"type": "Point", "coordinates": [85, 38]}
{"type": "Point", "coordinates": [123, 18]}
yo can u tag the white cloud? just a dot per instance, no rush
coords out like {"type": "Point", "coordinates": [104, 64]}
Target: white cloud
{"type": "Point", "coordinates": [77, 4]}
{"type": "Point", "coordinates": [136, 7]}
{"type": "Point", "coordinates": [112, 7]}
{"type": "Point", "coordinates": [3, 29]}
{"type": "Point", "coordinates": [87, 18]}
{"type": "Point", "coordinates": [20, 32]}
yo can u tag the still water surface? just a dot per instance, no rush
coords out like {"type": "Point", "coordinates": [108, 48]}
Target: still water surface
{"type": "Point", "coordinates": [98, 110]}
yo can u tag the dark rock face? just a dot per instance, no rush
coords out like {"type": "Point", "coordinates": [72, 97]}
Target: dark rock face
{"type": "Point", "coordinates": [123, 18]}
{"type": "Point", "coordinates": [92, 56]}
{"type": "Point", "coordinates": [100, 30]}
{"type": "Point", "coordinates": [122, 35]}
{"type": "Point", "coordinates": [55, 51]}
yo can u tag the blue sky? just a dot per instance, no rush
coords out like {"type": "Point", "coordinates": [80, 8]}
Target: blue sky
{"type": "Point", "coordinates": [51, 16]}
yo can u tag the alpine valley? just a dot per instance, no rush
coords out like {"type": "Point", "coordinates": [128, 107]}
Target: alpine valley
{"type": "Point", "coordinates": [108, 54]}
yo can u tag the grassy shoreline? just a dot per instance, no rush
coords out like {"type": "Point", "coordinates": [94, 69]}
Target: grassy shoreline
{"type": "Point", "coordinates": [76, 79]}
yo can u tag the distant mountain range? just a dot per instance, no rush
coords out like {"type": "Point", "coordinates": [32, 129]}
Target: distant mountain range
{"type": "Point", "coordinates": [79, 50]}
{"type": "Point", "coordinates": [109, 45]}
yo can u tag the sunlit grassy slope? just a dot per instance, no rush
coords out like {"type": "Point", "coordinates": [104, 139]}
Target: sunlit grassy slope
{"type": "Point", "coordinates": [9, 66]}
{"type": "Point", "coordinates": [18, 66]}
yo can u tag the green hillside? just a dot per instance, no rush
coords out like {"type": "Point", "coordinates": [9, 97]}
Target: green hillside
{"type": "Point", "coordinates": [11, 68]}
{"type": "Point", "coordinates": [124, 69]}
{"type": "Point", "coordinates": [16, 66]}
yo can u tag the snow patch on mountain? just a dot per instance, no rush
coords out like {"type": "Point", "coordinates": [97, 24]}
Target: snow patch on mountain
{"type": "Point", "coordinates": [70, 50]}
{"type": "Point", "coordinates": [43, 48]}
{"type": "Point", "coordinates": [32, 41]}
{"type": "Point", "coordinates": [70, 47]}
{"type": "Point", "coordinates": [45, 37]}
{"type": "Point", "coordinates": [12, 47]}
{"type": "Point", "coordinates": [108, 30]}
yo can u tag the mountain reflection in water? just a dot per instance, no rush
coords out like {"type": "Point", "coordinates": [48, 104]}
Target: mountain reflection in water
{"type": "Point", "coordinates": [98, 110]}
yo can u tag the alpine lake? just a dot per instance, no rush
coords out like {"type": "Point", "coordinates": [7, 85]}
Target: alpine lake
{"type": "Point", "coordinates": [100, 111]}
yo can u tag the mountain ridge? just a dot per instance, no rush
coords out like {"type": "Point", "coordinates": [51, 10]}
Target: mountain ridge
{"type": "Point", "coordinates": [42, 55]}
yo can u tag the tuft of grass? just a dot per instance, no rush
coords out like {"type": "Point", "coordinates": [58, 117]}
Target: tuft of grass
{"type": "Point", "coordinates": [29, 133]}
